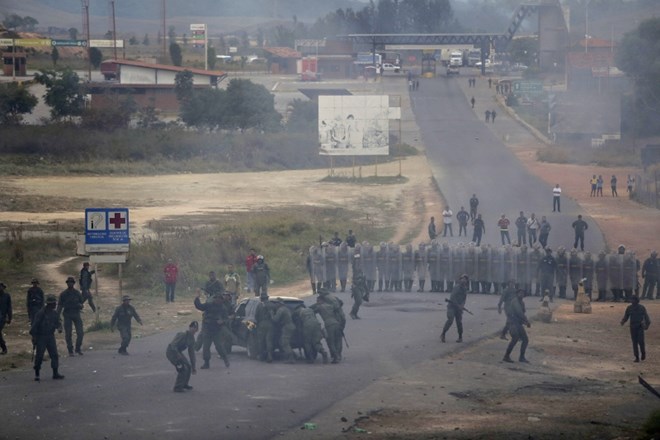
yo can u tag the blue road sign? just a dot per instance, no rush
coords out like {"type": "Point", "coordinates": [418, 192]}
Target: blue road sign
{"type": "Point", "coordinates": [107, 226]}
{"type": "Point", "coordinates": [69, 43]}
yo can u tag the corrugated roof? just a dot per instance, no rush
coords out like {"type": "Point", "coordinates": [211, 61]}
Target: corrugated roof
{"type": "Point", "coordinates": [167, 67]}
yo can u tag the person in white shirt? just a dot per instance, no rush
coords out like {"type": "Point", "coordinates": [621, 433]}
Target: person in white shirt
{"type": "Point", "coordinates": [556, 198]}
{"type": "Point", "coordinates": [532, 227]}
{"type": "Point", "coordinates": [447, 215]}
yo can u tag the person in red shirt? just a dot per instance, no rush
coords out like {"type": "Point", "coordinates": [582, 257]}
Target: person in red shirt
{"type": "Point", "coordinates": [250, 261]}
{"type": "Point", "coordinates": [171, 272]}
{"type": "Point", "coordinates": [503, 224]}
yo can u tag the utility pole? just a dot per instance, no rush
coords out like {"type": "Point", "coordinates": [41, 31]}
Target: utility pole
{"type": "Point", "coordinates": [85, 6]}
{"type": "Point", "coordinates": [114, 30]}
{"type": "Point", "coordinates": [164, 16]}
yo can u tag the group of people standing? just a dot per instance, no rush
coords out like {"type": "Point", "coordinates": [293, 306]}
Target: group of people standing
{"type": "Point", "coordinates": [597, 183]}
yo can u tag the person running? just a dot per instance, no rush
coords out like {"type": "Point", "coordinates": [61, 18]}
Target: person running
{"type": "Point", "coordinates": [516, 320]}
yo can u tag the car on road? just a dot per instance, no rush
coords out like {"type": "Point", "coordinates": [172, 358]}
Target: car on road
{"type": "Point", "coordinates": [243, 325]}
{"type": "Point", "coordinates": [453, 70]}
{"type": "Point", "coordinates": [389, 67]}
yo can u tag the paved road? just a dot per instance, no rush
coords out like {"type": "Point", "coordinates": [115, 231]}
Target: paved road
{"type": "Point", "coordinates": [109, 396]}
{"type": "Point", "coordinates": [468, 157]}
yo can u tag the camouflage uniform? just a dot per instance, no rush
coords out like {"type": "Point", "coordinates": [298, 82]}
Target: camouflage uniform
{"type": "Point", "coordinates": [311, 331]}
{"type": "Point", "coordinates": [282, 319]}
{"type": "Point", "coordinates": [215, 328]}
{"type": "Point", "coordinates": [174, 353]}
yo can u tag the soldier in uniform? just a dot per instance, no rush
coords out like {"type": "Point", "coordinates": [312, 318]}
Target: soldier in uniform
{"type": "Point", "coordinates": [327, 310]}
{"type": "Point", "coordinates": [408, 267]}
{"type": "Point", "coordinates": [215, 327]}
{"type": "Point", "coordinates": [471, 267]}
{"type": "Point", "coordinates": [507, 264]}
{"type": "Point", "coordinates": [432, 258]}
{"type": "Point", "coordinates": [369, 264]}
{"type": "Point", "coordinates": [86, 285]}
{"type": "Point", "coordinates": [497, 272]}
{"type": "Point", "coordinates": [69, 306]}
{"type": "Point", "coordinates": [615, 271]}
{"type": "Point", "coordinates": [359, 292]}
{"type": "Point", "coordinates": [522, 266]}
{"type": "Point", "coordinates": [483, 263]}
{"type": "Point", "coordinates": [446, 282]}
{"type": "Point", "coordinates": [547, 270]}
{"type": "Point", "coordinates": [342, 265]}
{"type": "Point", "coordinates": [630, 269]}
{"type": "Point", "coordinates": [42, 330]}
{"type": "Point", "coordinates": [318, 267]}
{"type": "Point", "coordinates": [184, 367]}
{"type": "Point", "coordinates": [331, 267]}
{"type": "Point", "coordinates": [213, 286]}
{"type": "Point", "coordinates": [311, 331]}
{"type": "Point", "coordinates": [574, 271]}
{"type": "Point", "coordinates": [338, 310]}
{"type": "Point", "coordinates": [122, 318]}
{"type": "Point", "coordinates": [651, 275]}
{"type": "Point", "coordinates": [508, 293]}
{"type": "Point", "coordinates": [381, 265]}
{"type": "Point", "coordinates": [35, 299]}
{"type": "Point", "coordinates": [534, 261]}
{"type": "Point", "coordinates": [282, 320]}
{"type": "Point", "coordinates": [588, 273]}
{"type": "Point", "coordinates": [455, 308]}
{"type": "Point", "coordinates": [261, 273]}
{"type": "Point", "coordinates": [6, 313]}
{"type": "Point", "coordinates": [263, 318]}
{"type": "Point", "coordinates": [639, 322]}
{"type": "Point", "coordinates": [516, 320]}
{"type": "Point", "coordinates": [601, 268]}
{"type": "Point", "coordinates": [562, 271]}
{"type": "Point", "coordinates": [394, 267]}
{"type": "Point", "coordinates": [421, 266]}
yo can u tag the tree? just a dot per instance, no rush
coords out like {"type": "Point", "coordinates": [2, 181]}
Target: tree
{"type": "Point", "coordinates": [252, 106]}
{"type": "Point", "coordinates": [639, 57]}
{"type": "Point", "coordinates": [64, 92]}
{"type": "Point", "coordinates": [55, 55]}
{"type": "Point", "coordinates": [303, 116]}
{"type": "Point", "coordinates": [133, 41]}
{"type": "Point", "coordinates": [524, 50]}
{"type": "Point", "coordinates": [183, 86]}
{"type": "Point", "coordinates": [207, 109]}
{"type": "Point", "coordinates": [175, 54]}
{"type": "Point", "coordinates": [15, 101]}
{"type": "Point", "coordinates": [171, 34]}
{"type": "Point", "coordinates": [13, 22]}
{"type": "Point", "coordinates": [145, 40]}
{"type": "Point", "coordinates": [211, 58]}
{"type": "Point", "coordinates": [29, 23]}
{"type": "Point", "coordinates": [73, 33]}
{"type": "Point", "coordinates": [116, 116]}
{"type": "Point", "coordinates": [95, 57]}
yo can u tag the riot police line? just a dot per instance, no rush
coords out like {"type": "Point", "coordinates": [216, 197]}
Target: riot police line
{"type": "Point", "coordinates": [435, 266]}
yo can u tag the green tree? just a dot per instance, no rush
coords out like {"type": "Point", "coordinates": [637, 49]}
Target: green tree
{"type": "Point", "coordinates": [115, 116]}
{"type": "Point", "coordinates": [303, 116]}
{"type": "Point", "coordinates": [95, 57]}
{"type": "Point", "coordinates": [210, 57]}
{"type": "Point", "coordinates": [64, 92]}
{"type": "Point", "coordinates": [145, 40]}
{"type": "Point", "coordinates": [207, 109]}
{"type": "Point", "coordinates": [13, 22]}
{"type": "Point", "coordinates": [29, 23]}
{"type": "Point", "coordinates": [183, 86]}
{"type": "Point", "coordinates": [524, 50]}
{"type": "Point", "coordinates": [15, 101]}
{"type": "Point", "coordinates": [73, 33]}
{"type": "Point", "coordinates": [252, 106]}
{"type": "Point", "coordinates": [175, 54]}
{"type": "Point", "coordinates": [133, 41]}
{"type": "Point", "coordinates": [639, 57]}
{"type": "Point", "coordinates": [171, 34]}
{"type": "Point", "coordinates": [55, 55]}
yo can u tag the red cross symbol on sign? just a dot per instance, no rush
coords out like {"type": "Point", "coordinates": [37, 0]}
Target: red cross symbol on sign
{"type": "Point", "coordinates": [117, 221]}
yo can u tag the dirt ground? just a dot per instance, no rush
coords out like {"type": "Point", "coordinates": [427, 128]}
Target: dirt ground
{"type": "Point", "coordinates": [582, 382]}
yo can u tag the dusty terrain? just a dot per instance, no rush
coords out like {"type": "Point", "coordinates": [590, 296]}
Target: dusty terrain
{"type": "Point", "coordinates": [581, 382]}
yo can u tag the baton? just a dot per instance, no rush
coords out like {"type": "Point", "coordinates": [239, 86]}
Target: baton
{"type": "Point", "coordinates": [345, 340]}
{"type": "Point", "coordinates": [648, 386]}
{"type": "Point", "coordinates": [447, 300]}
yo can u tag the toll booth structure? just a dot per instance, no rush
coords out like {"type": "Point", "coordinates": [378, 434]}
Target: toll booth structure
{"type": "Point", "coordinates": [14, 64]}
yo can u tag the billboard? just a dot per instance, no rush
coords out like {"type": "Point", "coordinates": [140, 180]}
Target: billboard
{"type": "Point", "coordinates": [355, 125]}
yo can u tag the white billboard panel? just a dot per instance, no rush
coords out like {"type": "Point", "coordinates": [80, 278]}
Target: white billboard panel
{"type": "Point", "coordinates": [106, 43]}
{"type": "Point", "coordinates": [354, 125]}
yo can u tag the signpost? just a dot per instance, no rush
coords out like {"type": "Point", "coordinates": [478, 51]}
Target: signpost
{"type": "Point", "coordinates": [107, 237]}
{"type": "Point", "coordinates": [69, 43]}
{"type": "Point", "coordinates": [199, 38]}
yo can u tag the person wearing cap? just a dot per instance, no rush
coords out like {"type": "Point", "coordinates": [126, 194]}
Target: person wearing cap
{"type": "Point", "coordinates": [45, 322]}
{"type": "Point", "coordinates": [122, 318]}
{"type": "Point", "coordinates": [261, 273]}
{"type": "Point", "coordinates": [69, 307]}
{"type": "Point", "coordinates": [651, 275]}
{"type": "Point", "coordinates": [639, 322]}
{"type": "Point", "coordinates": [455, 307]}
{"type": "Point", "coordinates": [86, 285]}
{"type": "Point", "coordinates": [215, 327]}
{"type": "Point", "coordinates": [35, 299]}
{"type": "Point", "coordinates": [174, 353]}
{"type": "Point", "coordinates": [263, 318]}
{"type": "Point", "coordinates": [546, 272]}
{"type": "Point", "coordinates": [516, 320]}
{"type": "Point", "coordinates": [5, 314]}
{"type": "Point", "coordinates": [171, 273]}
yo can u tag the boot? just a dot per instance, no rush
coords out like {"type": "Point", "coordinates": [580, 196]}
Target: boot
{"type": "Point", "coordinates": [442, 337]}
{"type": "Point", "coordinates": [313, 288]}
{"type": "Point", "coordinates": [507, 358]}
{"type": "Point", "coordinates": [325, 356]}
{"type": "Point", "coordinates": [421, 285]}
{"type": "Point", "coordinates": [56, 374]}
{"type": "Point", "coordinates": [460, 338]}
{"type": "Point", "coordinates": [79, 351]}
{"type": "Point", "coordinates": [226, 362]}
{"type": "Point", "coordinates": [343, 285]}
{"type": "Point", "coordinates": [206, 366]}
{"type": "Point", "coordinates": [36, 375]}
